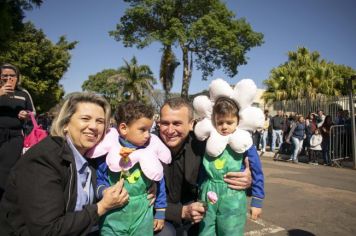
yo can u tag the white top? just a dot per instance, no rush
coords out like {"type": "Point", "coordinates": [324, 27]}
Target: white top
{"type": "Point", "coordinates": [315, 142]}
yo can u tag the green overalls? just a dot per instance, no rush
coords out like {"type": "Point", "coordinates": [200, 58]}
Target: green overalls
{"type": "Point", "coordinates": [228, 215]}
{"type": "Point", "coordinates": [136, 217]}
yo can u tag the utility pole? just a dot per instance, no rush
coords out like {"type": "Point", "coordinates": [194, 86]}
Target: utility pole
{"type": "Point", "coordinates": [352, 111]}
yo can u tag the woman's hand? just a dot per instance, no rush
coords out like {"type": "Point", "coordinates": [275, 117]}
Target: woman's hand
{"type": "Point", "coordinates": [23, 115]}
{"type": "Point", "coordinates": [239, 180]}
{"type": "Point", "coordinates": [113, 197]}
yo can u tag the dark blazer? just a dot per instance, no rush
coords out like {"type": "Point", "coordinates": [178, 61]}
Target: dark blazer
{"type": "Point", "coordinates": [182, 177]}
{"type": "Point", "coordinates": [41, 193]}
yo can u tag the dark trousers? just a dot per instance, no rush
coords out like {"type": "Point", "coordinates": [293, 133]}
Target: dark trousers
{"type": "Point", "coordinates": [314, 155]}
{"type": "Point", "coordinates": [186, 229]}
{"type": "Point", "coordinates": [10, 152]}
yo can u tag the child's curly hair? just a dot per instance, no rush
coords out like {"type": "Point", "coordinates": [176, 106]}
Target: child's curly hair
{"type": "Point", "coordinates": [130, 111]}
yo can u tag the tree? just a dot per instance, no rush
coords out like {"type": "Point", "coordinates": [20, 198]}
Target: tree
{"type": "Point", "coordinates": [168, 66]}
{"type": "Point", "coordinates": [206, 32]}
{"type": "Point", "coordinates": [305, 75]}
{"type": "Point", "coordinates": [100, 83]}
{"type": "Point", "coordinates": [11, 16]}
{"type": "Point", "coordinates": [42, 64]}
{"type": "Point", "coordinates": [129, 82]}
{"type": "Point", "coordinates": [135, 81]}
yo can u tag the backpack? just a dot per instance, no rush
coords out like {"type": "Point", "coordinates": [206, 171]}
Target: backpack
{"type": "Point", "coordinates": [35, 136]}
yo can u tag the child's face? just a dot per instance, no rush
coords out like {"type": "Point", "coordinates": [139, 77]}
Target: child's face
{"type": "Point", "coordinates": [226, 124]}
{"type": "Point", "coordinates": [137, 132]}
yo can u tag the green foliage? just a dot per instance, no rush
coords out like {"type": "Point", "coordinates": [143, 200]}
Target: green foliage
{"type": "Point", "coordinates": [305, 75]}
{"type": "Point", "coordinates": [203, 28]}
{"type": "Point", "coordinates": [168, 66]}
{"type": "Point", "coordinates": [102, 84]}
{"type": "Point", "coordinates": [129, 82]}
{"type": "Point", "coordinates": [11, 16]}
{"type": "Point", "coordinates": [41, 63]}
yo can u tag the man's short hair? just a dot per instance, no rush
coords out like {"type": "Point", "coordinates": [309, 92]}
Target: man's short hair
{"type": "Point", "coordinates": [130, 111]}
{"type": "Point", "coordinates": [179, 102]}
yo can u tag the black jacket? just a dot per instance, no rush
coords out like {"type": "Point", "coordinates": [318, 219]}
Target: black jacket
{"type": "Point", "coordinates": [182, 176]}
{"type": "Point", "coordinates": [41, 192]}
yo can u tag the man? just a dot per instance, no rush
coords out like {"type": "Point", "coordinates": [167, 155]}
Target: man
{"type": "Point", "coordinates": [182, 175]}
{"type": "Point", "coordinates": [277, 123]}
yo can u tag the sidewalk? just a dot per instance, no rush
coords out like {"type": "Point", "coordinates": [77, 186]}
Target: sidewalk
{"type": "Point", "coordinates": [302, 159]}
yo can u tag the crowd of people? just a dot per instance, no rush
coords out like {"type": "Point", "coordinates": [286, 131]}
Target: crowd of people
{"type": "Point", "coordinates": [297, 135]}
{"type": "Point", "coordinates": [59, 187]}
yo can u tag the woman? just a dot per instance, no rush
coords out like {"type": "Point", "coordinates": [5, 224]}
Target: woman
{"type": "Point", "coordinates": [325, 145]}
{"type": "Point", "coordinates": [310, 127]}
{"type": "Point", "coordinates": [297, 135]}
{"type": "Point", "coordinates": [14, 104]}
{"type": "Point", "coordinates": [51, 189]}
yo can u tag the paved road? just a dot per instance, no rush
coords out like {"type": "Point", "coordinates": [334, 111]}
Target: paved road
{"type": "Point", "coordinates": [303, 200]}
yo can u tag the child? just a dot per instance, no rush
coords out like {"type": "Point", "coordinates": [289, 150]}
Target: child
{"type": "Point", "coordinates": [136, 161]}
{"type": "Point", "coordinates": [315, 146]}
{"type": "Point", "coordinates": [226, 213]}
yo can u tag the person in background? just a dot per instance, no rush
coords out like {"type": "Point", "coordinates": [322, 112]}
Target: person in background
{"type": "Point", "coordinates": [315, 147]}
{"type": "Point", "coordinates": [320, 118]}
{"type": "Point", "coordinates": [182, 175]}
{"type": "Point", "coordinates": [15, 102]}
{"type": "Point", "coordinates": [296, 135]}
{"type": "Point", "coordinates": [265, 131]}
{"type": "Point", "coordinates": [310, 126]}
{"type": "Point", "coordinates": [277, 123]}
{"type": "Point", "coordinates": [325, 145]}
{"type": "Point", "coordinates": [50, 191]}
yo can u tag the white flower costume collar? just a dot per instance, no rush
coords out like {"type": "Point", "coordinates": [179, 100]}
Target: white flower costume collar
{"type": "Point", "coordinates": [149, 158]}
{"type": "Point", "coordinates": [251, 118]}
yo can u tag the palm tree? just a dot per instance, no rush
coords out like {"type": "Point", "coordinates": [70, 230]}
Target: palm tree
{"type": "Point", "coordinates": [168, 66]}
{"type": "Point", "coordinates": [135, 82]}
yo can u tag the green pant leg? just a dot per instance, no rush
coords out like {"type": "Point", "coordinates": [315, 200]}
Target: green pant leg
{"type": "Point", "coordinates": [231, 215]}
{"type": "Point", "coordinates": [145, 224]}
{"type": "Point", "coordinates": [128, 220]}
{"type": "Point", "coordinates": [207, 227]}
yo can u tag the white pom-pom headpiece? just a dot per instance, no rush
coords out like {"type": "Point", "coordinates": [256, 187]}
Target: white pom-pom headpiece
{"type": "Point", "coordinates": [250, 118]}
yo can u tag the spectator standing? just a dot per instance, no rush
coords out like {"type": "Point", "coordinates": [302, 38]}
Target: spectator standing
{"type": "Point", "coordinates": [277, 123]}
{"type": "Point", "coordinates": [320, 118]}
{"type": "Point", "coordinates": [296, 135]}
{"type": "Point", "coordinates": [264, 132]}
{"type": "Point", "coordinates": [315, 147]}
{"type": "Point", "coordinates": [310, 126]}
{"type": "Point", "coordinates": [15, 102]}
{"type": "Point", "coordinates": [325, 132]}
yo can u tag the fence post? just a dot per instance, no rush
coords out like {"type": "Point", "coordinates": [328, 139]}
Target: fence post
{"type": "Point", "coordinates": [352, 111]}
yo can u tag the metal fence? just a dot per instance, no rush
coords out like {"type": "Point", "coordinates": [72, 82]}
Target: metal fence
{"type": "Point", "coordinates": [340, 143]}
{"type": "Point", "coordinates": [340, 135]}
{"type": "Point", "coordinates": [330, 105]}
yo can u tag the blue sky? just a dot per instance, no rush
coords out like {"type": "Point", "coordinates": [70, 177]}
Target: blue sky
{"type": "Point", "coordinates": [326, 26]}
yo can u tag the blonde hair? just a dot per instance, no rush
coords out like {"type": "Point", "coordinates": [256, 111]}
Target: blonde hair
{"type": "Point", "coordinates": [69, 107]}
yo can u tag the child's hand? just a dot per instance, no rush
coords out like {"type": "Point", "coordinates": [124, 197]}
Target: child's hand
{"type": "Point", "coordinates": [158, 225]}
{"type": "Point", "coordinates": [256, 213]}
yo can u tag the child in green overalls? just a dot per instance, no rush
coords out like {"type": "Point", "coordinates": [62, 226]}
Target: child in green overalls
{"type": "Point", "coordinates": [138, 165]}
{"type": "Point", "coordinates": [226, 208]}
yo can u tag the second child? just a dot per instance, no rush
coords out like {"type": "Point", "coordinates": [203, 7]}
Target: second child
{"type": "Point", "coordinates": [226, 208]}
